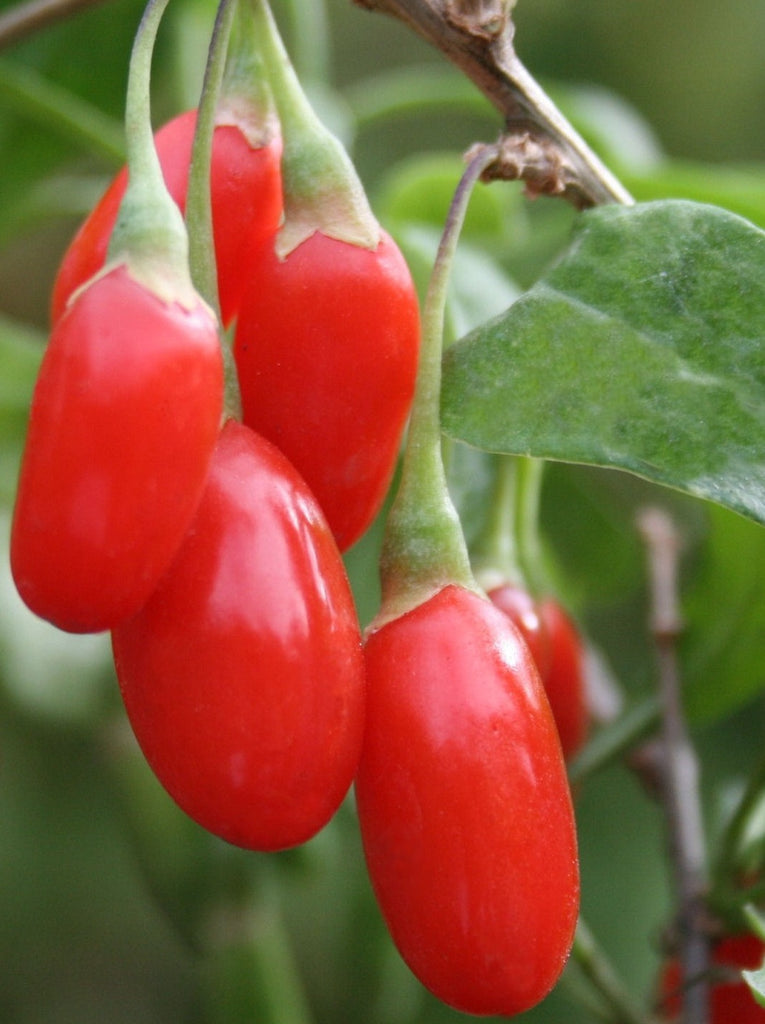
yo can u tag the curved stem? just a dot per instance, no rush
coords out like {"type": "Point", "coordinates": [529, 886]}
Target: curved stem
{"type": "Point", "coordinates": [249, 971]}
{"type": "Point", "coordinates": [528, 498]}
{"type": "Point", "coordinates": [510, 548]}
{"type": "Point", "coordinates": [598, 969]}
{"type": "Point", "coordinates": [150, 233]}
{"type": "Point", "coordinates": [141, 152]}
{"type": "Point", "coordinates": [199, 215]}
{"type": "Point", "coordinates": [732, 840]}
{"type": "Point", "coordinates": [496, 556]}
{"type": "Point", "coordinates": [322, 191]}
{"type": "Point", "coordinates": [613, 741]}
{"type": "Point", "coordinates": [424, 547]}
{"type": "Point", "coordinates": [198, 199]}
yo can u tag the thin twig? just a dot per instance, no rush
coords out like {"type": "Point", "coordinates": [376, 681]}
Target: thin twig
{"type": "Point", "coordinates": [593, 962]}
{"type": "Point", "coordinates": [539, 146]}
{"type": "Point", "coordinates": [25, 19]}
{"type": "Point", "coordinates": [679, 767]}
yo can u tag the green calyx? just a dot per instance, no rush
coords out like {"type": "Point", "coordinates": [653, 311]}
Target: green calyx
{"type": "Point", "coordinates": [245, 99]}
{"type": "Point", "coordinates": [424, 547]}
{"type": "Point", "coordinates": [150, 234]}
{"type": "Point", "coordinates": [322, 191]}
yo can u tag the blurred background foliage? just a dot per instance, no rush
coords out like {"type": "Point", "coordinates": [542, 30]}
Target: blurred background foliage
{"type": "Point", "coordinates": [112, 905]}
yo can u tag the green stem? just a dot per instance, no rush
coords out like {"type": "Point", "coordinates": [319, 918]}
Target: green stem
{"type": "Point", "coordinates": [529, 476]}
{"type": "Point", "coordinates": [150, 233]}
{"type": "Point", "coordinates": [249, 971]}
{"type": "Point", "coordinates": [198, 200]}
{"type": "Point", "coordinates": [424, 548]}
{"type": "Point", "coordinates": [496, 557]}
{"type": "Point", "coordinates": [245, 95]}
{"type": "Point", "coordinates": [613, 741]}
{"type": "Point", "coordinates": [322, 191]}
{"type": "Point", "coordinates": [509, 549]}
{"type": "Point", "coordinates": [733, 840]}
{"type": "Point", "coordinates": [26, 91]}
{"type": "Point", "coordinates": [598, 969]}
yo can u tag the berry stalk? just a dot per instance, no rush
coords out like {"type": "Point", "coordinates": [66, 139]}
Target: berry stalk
{"type": "Point", "coordinates": [424, 547]}
{"type": "Point", "coordinates": [150, 233]}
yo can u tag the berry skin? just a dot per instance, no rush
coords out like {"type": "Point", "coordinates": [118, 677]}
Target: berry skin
{"type": "Point", "coordinates": [731, 1000]}
{"type": "Point", "coordinates": [326, 348]}
{"type": "Point", "coordinates": [525, 614]}
{"type": "Point", "coordinates": [464, 806]}
{"type": "Point", "coordinates": [246, 202]}
{"type": "Point", "coordinates": [243, 675]}
{"type": "Point", "coordinates": [556, 648]}
{"type": "Point", "coordinates": [124, 418]}
{"type": "Point", "coordinates": [564, 682]}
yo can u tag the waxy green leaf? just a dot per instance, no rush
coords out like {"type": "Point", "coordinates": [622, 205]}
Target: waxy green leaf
{"type": "Point", "coordinates": [643, 349]}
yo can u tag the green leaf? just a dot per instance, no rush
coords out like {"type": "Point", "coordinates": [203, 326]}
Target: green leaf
{"type": "Point", "coordinates": [740, 189]}
{"type": "Point", "coordinates": [640, 350]}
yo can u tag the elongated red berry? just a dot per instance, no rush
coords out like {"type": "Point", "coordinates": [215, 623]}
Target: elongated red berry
{"type": "Point", "coordinates": [556, 647]}
{"type": "Point", "coordinates": [243, 675]}
{"type": "Point", "coordinates": [564, 681]}
{"type": "Point", "coordinates": [464, 806]}
{"type": "Point", "coordinates": [124, 418]}
{"type": "Point", "coordinates": [326, 348]}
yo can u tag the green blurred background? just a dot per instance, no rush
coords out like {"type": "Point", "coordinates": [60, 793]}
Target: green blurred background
{"type": "Point", "coordinates": [102, 882]}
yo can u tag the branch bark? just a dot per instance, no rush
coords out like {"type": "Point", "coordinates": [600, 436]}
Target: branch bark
{"type": "Point", "coordinates": [679, 768]}
{"type": "Point", "coordinates": [539, 146]}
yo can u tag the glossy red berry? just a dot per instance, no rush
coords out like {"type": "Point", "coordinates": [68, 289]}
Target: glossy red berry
{"type": "Point", "coordinates": [326, 348]}
{"type": "Point", "coordinates": [124, 418]}
{"type": "Point", "coordinates": [564, 681]}
{"type": "Point", "coordinates": [556, 648]}
{"type": "Point", "coordinates": [731, 1000]}
{"type": "Point", "coordinates": [243, 675]}
{"type": "Point", "coordinates": [246, 203]}
{"type": "Point", "coordinates": [524, 612]}
{"type": "Point", "coordinates": [464, 807]}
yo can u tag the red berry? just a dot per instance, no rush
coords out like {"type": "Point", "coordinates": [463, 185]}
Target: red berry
{"type": "Point", "coordinates": [124, 418]}
{"type": "Point", "coordinates": [564, 681]}
{"type": "Point", "coordinates": [326, 349]}
{"type": "Point", "coordinates": [246, 202]}
{"type": "Point", "coordinates": [243, 675]}
{"type": "Point", "coordinates": [464, 806]}
{"type": "Point", "coordinates": [731, 1000]}
{"type": "Point", "coordinates": [556, 648]}
{"type": "Point", "coordinates": [523, 611]}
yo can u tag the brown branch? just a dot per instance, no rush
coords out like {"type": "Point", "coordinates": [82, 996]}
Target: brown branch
{"type": "Point", "coordinates": [678, 768]}
{"type": "Point", "coordinates": [26, 18]}
{"type": "Point", "coordinates": [540, 147]}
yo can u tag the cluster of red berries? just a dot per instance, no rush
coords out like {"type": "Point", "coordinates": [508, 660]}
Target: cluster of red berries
{"type": "Point", "coordinates": [202, 547]}
{"type": "Point", "coordinates": [210, 546]}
